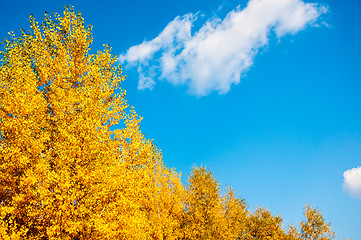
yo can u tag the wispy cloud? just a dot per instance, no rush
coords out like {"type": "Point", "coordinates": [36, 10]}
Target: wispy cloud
{"type": "Point", "coordinates": [215, 57]}
{"type": "Point", "coordinates": [352, 181]}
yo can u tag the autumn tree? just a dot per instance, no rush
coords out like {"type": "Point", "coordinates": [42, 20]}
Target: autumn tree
{"type": "Point", "coordinates": [64, 172]}
{"type": "Point", "coordinates": [203, 217]}
{"type": "Point", "coordinates": [236, 216]}
{"type": "Point", "coordinates": [263, 225]}
{"type": "Point", "coordinates": [315, 226]}
{"type": "Point", "coordinates": [292, 233]}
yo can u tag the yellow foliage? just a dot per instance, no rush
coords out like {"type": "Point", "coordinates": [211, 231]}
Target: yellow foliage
{"type": "Point", "coordinates": [65, 173]}
{"type": "Point", "coordinates": [315, 227]}
{"type": "Point", "coordinates": [262, 225]}
{"type": "Point", "coordinates": [203, 217]}
{"type": "Point", "coordinates": [236, 216]}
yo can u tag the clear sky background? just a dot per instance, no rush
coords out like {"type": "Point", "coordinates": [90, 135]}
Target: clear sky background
{"type": "Point", "coordinates": [265, 94]}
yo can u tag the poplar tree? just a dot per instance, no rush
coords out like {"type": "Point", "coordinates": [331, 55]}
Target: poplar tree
{"type": "Point", "coordinates": [315, 226]}
{"type": "Point", "coordinates": [203, 216]}
{"type": "Point", "coordinates": [236, 216]}
{"type": "Point", "coordinates": [263, 225]}
{"type": "Point", "coordinates": [64, 172]}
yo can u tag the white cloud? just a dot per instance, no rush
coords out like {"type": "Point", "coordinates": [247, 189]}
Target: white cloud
{"type": "Point", "coordinates": [216, 56]}
{"type": "Point", "coordinates": [352, 181]}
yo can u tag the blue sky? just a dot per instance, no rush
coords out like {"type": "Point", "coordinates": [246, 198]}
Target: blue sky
{"type": "Point", "coordinates": [278, 115]}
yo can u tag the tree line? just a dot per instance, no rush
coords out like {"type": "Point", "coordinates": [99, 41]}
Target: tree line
{"type": "Point", "coordinates": [75, 165]}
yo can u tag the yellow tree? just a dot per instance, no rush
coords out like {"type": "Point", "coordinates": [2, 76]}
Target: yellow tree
{"type": "Point", "coordinates": [161, 199]}
{"type": "Point", "coordinates": [315, 227]}
{"type": "Point", "coordinates": [203, 217]}
{"type": "Point", "coordinates": [262, 225]}
{"type": "Point", "coordinates": [63, 172]}
{"type": "Point", "coordinates": [293, 233]}
{"type": "Point", "coordinates": [236, 216]}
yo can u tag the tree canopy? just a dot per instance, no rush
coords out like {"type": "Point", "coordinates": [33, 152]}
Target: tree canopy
{"type": "Point", "coordinates": [75, 165]}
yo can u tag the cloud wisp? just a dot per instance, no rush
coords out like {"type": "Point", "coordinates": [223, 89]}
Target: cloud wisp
{"type": "Point", "coordinates": [352, 181]}
{"type": "Point", "coordinates": [222, 50]}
